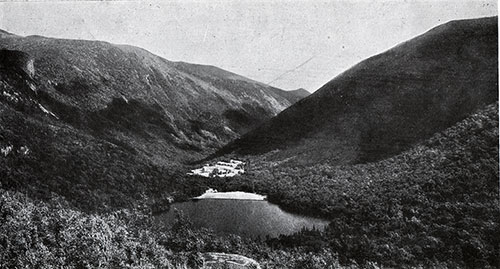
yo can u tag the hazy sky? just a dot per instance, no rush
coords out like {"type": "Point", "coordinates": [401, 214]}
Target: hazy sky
{"type": "Point", "coordinates": [290, 44]}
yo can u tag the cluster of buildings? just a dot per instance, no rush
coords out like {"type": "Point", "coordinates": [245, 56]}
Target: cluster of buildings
{"type": "Point", "coordinates": [220, 169]}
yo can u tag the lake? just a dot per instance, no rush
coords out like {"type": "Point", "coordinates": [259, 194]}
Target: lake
{"type": "Point", "coordinates": [250, 218]}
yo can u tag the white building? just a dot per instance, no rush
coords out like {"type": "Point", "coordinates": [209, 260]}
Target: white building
{"type": "Point", "coordinates": [220, 169]}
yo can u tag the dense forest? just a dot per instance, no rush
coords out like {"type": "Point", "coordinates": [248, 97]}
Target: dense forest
{"type": "Point", "coordinates": [434, 205]}
{"type": "Point", "coordinates": [437, 203]}
{"type": "Point", "coordinates": [49, 234]}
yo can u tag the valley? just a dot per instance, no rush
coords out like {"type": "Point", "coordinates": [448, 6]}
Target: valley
{"type": "Point", "coordinates": [161, 109]}
{"type": "Point", "coordinates": [113, 157]}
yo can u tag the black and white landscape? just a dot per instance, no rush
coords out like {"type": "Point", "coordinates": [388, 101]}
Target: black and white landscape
{"type": "Point", "coordinates": [114, 157]}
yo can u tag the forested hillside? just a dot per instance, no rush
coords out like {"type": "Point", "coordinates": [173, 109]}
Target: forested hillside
{"type": "Point", "coordinates": [162, 109]}
{"type": "Point", "coordinates": [437, 202]}
{"type": "Point", "coordinates": [107, 125]}
{"type": "Point", "coordinates": [387, 103]}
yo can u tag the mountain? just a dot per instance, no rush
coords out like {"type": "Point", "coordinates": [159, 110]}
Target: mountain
{"type": "Point", "coordinates": [105, 126]}
{"type": "Point", "coordinates": [387, 103]}
{"type": "Point", "coordinates": [300, 93]}
{"type": "Point", "coordinates": [435, 201]}
{"type": "Point", "coordinates": [43, 155]}
{"type": "Point", "coordinates": [162, 109]}
{"type": "Point", "coordinates": [209, 73]}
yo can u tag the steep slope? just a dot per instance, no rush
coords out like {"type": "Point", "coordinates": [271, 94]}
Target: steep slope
{"type": "Point", "coordinates": [42, 155]}
{"type": "Point", "coordinates": [221, 77]}
{"type": "Point", "coordinates": [436, 201]}
{"type": "Point", "coordinates": [388, 102]}
{"type": "Point", "coordinates": [17, 85]}
{"type": "Point", "coordinates": [161, 108]}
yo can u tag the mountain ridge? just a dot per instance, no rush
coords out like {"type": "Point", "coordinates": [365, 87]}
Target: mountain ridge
{"type": "Point", "coordinates": [414, 90]}
{"type": "Point", "coordinates": [83, 81]}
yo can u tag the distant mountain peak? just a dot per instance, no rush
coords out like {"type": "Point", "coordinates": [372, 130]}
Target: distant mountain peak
{"type": "Point", "coordinates": [301, 92]}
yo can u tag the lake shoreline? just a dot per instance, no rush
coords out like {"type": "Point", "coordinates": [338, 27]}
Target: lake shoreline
{"type": "Point", "coordinates": [232, 195]}
{"type": "Point", "coordinates": [228, 199]}
{"type": "Point", "coordinates": [232, 213]}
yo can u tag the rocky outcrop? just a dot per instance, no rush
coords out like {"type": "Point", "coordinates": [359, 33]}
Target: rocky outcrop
{"type": "Point", "coordinates": [17, 61]}
{"type": "Point", "coordinates": [17, 82]}
{"type": "Point", "coordinates": [216, 260]}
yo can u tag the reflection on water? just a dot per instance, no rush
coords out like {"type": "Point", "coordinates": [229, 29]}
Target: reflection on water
{"type": "Point", "coordinates": [242, 217]}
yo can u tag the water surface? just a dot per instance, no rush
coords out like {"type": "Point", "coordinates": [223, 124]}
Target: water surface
{"type": "Point", "coordinates": [235, 195]}
{"type": "Point", "coordinates": [251, 218]}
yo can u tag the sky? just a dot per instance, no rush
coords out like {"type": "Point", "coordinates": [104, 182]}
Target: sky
{"type": "Point", "coordinates": [287, 44]}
